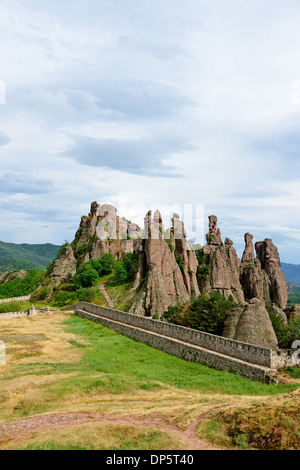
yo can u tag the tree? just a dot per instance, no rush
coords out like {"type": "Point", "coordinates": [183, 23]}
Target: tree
{"type": "Point", "coordinates": [86, 277]}
{"type": "Point", "coordinates": [120, 273]}
{"type": "Point", "coordinates": [206, 313]}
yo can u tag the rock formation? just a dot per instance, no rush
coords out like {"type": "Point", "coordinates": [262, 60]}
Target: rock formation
{"type": "Point", "coordinates": [268, 256]}
{"type": "Point", "coordinates": [255, 282]}
{"type": "Point", "coordinates": [248, 255]}
{"type": "Point", "coordinates": [65, 265]}
{"type": "Point", "coordinates": [219, 265]}
{"type": "Point", "coordinates": [214, 235]}
{"type": "Point", "coordinates": [279, 313]}
{"type": "Point", "coordinates": [250, 323]}
{"type": "Point", "coordinates": [165, 283]}
{"type": "Point", "coordinates": [262, 277]}
{"type": "Point", "coordinates": [169, 271]}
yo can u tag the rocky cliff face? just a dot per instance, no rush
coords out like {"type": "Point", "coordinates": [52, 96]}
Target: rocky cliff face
{"type": "Point", "coordinates": [262, 277]}
{"type": "Point", "coordinates": [268, 256]}
{"type": "Point", "coordinates": [165, 282]}
{"type": "Point", "coordinates": [219, 264]}
{"type": "Point", "coordinates": [169, 271]}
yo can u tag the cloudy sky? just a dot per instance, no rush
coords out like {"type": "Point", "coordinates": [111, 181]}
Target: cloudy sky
{"type": "Point", "coordinates": [145, 103]}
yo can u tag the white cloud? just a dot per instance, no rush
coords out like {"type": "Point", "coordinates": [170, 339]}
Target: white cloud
{"type": "Point", "coordinates": [212, 79]}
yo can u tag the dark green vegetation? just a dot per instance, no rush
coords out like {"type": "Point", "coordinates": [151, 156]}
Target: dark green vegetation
{"type": "Point", "coordinates": [25, 256]}
{"type": "Point", "coordinates": [21, 287]}
{"type": "Point", "coordinates": [285, 334]}
{"type": "Point", "coordinates": [294, 296]}
{"type": "Point", "coordinates": [12, 307]}
{"type": "Point", "coordinates": [291, 272]}
{"type": "Point", "coordinates": [117, 274]}
{"type": "Point", "coordinates": [293, 372]}
{"type": "Point", "coordinates": [206, 313]}
{"type": "Point", "coordinates": [267, 426]}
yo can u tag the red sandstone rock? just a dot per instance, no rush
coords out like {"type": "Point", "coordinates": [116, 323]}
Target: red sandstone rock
{"type": "Point", "coordinates": [248, 255]}
{"type": "Point", "coordinates": [268, 256]}
{"type": "Point", "coordinates": [214, 235]}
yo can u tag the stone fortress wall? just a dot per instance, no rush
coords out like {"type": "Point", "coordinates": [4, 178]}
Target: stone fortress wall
{"type": "Point", "coordinates": [16, 299]}
{"type": "Point", "coordinates": [248, 360]}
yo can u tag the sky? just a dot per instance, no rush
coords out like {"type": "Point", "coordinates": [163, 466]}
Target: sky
{"type": "Point", "coordinates": [143, 104]}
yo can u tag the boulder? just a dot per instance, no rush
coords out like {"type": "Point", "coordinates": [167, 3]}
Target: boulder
{"type": "Point", "coordinates": [251, 324]}
{"type": "Point", "coordinates": [279, 313]}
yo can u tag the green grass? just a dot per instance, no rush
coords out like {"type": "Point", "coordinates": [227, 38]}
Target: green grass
{"type": "Point", "coordinates": [12, 306]}
{"type": "Point", "coordinates": [294, 372]}
{"type": "Point", "coordinates": [112, 363]}
{"type": "Point", "coordinates": [128, 365]}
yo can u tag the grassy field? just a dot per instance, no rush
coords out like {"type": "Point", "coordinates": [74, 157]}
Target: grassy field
{"type": "Point", "coordinates": [73, 384]}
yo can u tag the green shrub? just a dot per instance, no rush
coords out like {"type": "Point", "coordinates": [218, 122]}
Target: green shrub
{"type": "Point", "coordinates": [177, 314]}
{"type": "Point", "coordinates": [206, 313]}
{"type": "Point", "coordinates": [11, 307]}
{"type": "Point", "coordinates": [42, 294]}
{"type": "Point", "coordinates": [286, 334]}
{"type": "Point", "coordinates": [87, 294]}
{"type": "Point", "coordinates": [86, 277]}
{"type": "Point", "coordinates": [106, 263]}
{"type": "Point", "coordinates": [65, 298]}
{"type": "Point", "coordinates": [19, 287]}
{"type": "Point", "coordinates": [120, 273]}
{"type": "Point", "coordinates": [130, 263]}
{"type": "Point", "coordinates": [81, 250]}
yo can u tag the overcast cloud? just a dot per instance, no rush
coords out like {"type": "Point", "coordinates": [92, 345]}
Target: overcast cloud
{"type": "Point", "coordinates": [168, 102]}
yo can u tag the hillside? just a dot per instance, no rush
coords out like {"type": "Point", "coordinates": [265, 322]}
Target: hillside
{"type": "Point", "coordinates": [153, 269]}
{"type": "Point", "coordinates": [25, 256]}
{"type": "Point", "coordinates": [291, 273]}
{"type": "Point", "coordinates": [82, 386]}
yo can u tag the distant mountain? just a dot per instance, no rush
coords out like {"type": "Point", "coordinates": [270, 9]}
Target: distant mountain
{"type": "Point", "coordinates": [25, 256]}
{"type": "Point", "coordinates": [291, 272]}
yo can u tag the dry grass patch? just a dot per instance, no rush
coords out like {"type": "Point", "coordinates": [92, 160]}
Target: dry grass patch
{"type": "Point", "coordinates": [100, 436]}
{"type": "Point", "coordinates": [271, 425]}
{"type": "Point", "coordinates": [41, 336]}
{"type": "Point", "coordinates": [59, 363]}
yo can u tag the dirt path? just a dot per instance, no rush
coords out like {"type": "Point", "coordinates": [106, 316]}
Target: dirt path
{"type": "Point", "coordinates": [106, 296]}
{"type": "Point", "coordinates": [17, 429]}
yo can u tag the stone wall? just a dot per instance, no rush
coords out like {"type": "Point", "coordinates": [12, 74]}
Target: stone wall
{"type": "Point", "coordinates": [184, 350]}
{"type": "Point", "coordinates": [25, 313]}
{"type": "Point", "coordinates": [16, 299]}
{"type": "Point", "coordinates": [246, 352]}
